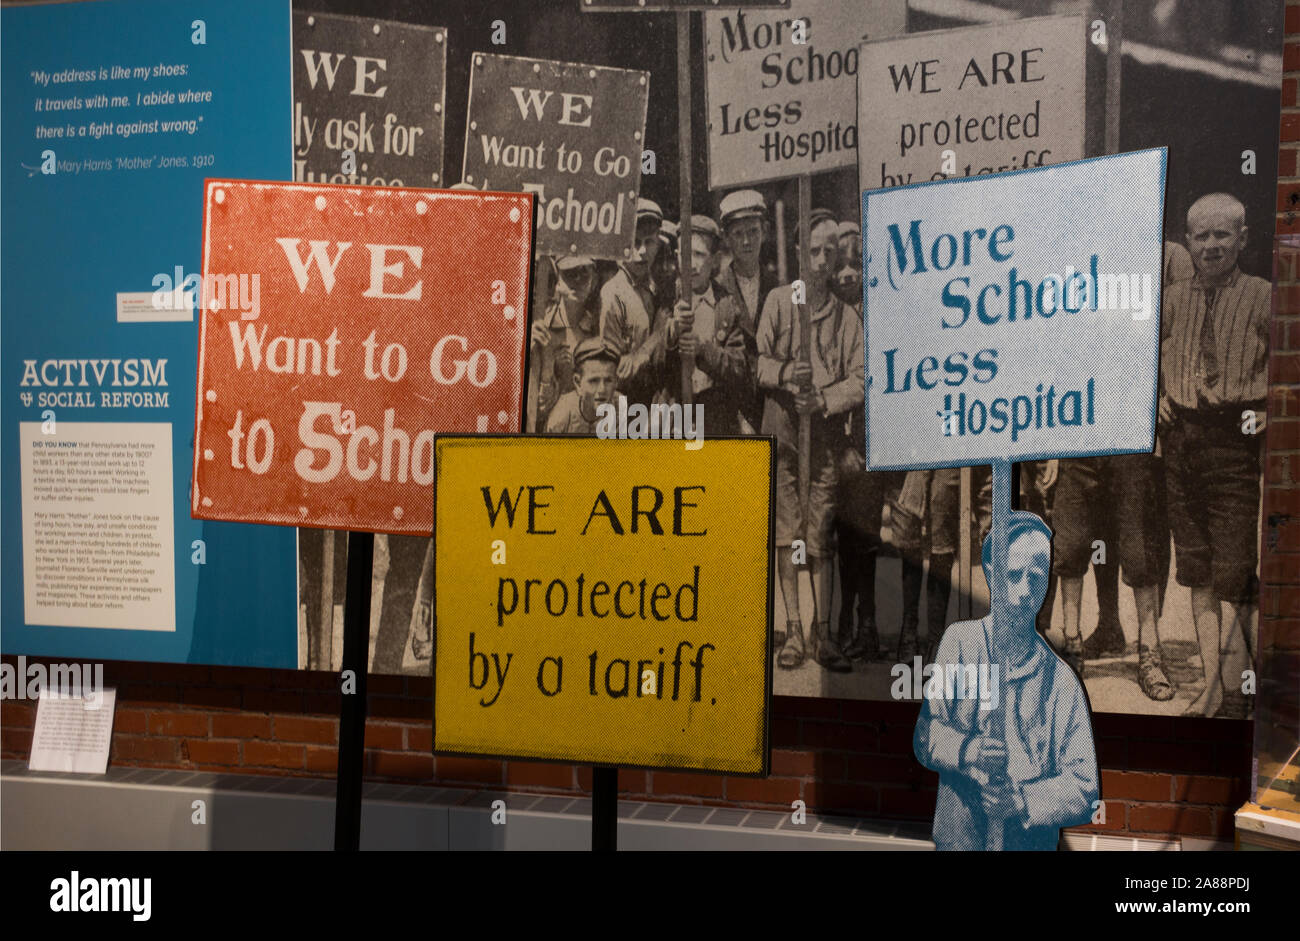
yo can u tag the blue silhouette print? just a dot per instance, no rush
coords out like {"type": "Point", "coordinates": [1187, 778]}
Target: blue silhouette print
{"type": "Point", "coordinates": [1005, 721]}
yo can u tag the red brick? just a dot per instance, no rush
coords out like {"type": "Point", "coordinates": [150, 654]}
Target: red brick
{"type": "Point", "coordinates": [273, 755]}
{"type": "Point", "coordinates": [253, 676]}
{"type": "Point", "coordinates": [204, 751]}
{"type": "Point", "coordinates": [1285, 400]}
{"type": "Point", "coordinates": [1291, 57]}
{"type": "Point", "coordinates": [1224, 824]}
{"type": "Point", "coordinates": [835, 735]}
{"type": "Point", "coordinates": [667, 783]}
{"type": "Point", "coordinates": [378, 684]}
{"type": "Point", "coordinates": [124, 720]}
{"type": "Point", "coordinates": [1283, 434]}
{"type": "Point", "coordinates": [1286, 368]}
{"type": "Point", "coordinates": [1114, 818]}
{"type": "Point", "coordinates": [1277, 471]}
{"type": "Point", "coordinates": [797, 707]}
{"type": "Point", "coordinates": [419, 738]}
{"type": "Point", "coordinates": [120, 672]}
{"type": "Point", "coordinates": [185, 674]}
{"type": "Point", "coordinates": [240, 726]}
{"type": "Point", "coordinates": [399, 707]}
{"type": "Point", "coordinates": [1288, 601]}
{"type": "Point", "coordinates": [148, 693]}
{"type": "Point", "coordinates": [785, 733]}
{"type": "Point", "coordinates": [782, 791]}
{"type": "Point", "coordinates": [1291, 122]}
{"type": "Point", "coordinates": [307, 730]}
{"type": "Point", "coordinates": [1134, 785]}
{"type": "Point", "coordinates": [786, 762]}
{"type": "Point", "coordinates": [836, 797]}
{"type": "Point", "coordinates": [1288, 194]}
{"type": "Point", "coordinates": [1169, 818]}
{"type": "Point", "coordinates": [387, 764]}
{"type": "Point", "coordinates": [896, 738]}
{"type": "Point", "coordinates": [883, 769]}
{"type": "Point", "coordinates": [142, 748]}
{"type": "Point", "coordinates": [1286, 162]}
{"type": "Point", "coordinates": [1171, 756]}
{"type": "Point", "coordinates": [630, 780]}
{"type": "Point", "coordinates": [1286, 502]}
{"type": "Point", "coordinates": [1285, 634]}
{"type": "Point", "coordinates": [211, 697]}
{"type": "Point", "coordinates": [1288, 94]}
{"type": "Point", "coordinates": [906, 802]}
{"type": "Point", "coordinates": [419, 687]}
{"type": "Point", "coordinates": [386, 736]}
{"type": "Point", "coordinates": [324, 760]}
{"type": "Point", "coordinates": [320, 703]}
{"type": "Point", "coordinates": [267, 700]}
{"type": "Point", "coordinates": [1286, 531]}
{"type": "Point", "coordinates": [633, 781]}
{"type": "Point", "coordinates": [538, 774]}
{"type": "Point", "coordinates": [1292, 20]}
{"type": "Point", "coordinates": [20, 713]}
{"type": "Point", "coordinates": [1287, 223]}
{"type": "Point", "coordinates": [1209, 790]}
{"type": "Point", "coordinates": [481, 770]}
{"type": "Point", "coordinates": [1234, 756]}
{"type": "Point", "coordinates": [178, 723]}
{"type": "Point", "coordinates": [16, 741]}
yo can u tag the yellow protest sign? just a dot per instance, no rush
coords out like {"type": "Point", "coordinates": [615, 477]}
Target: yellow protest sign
{"type": "Point", "coordinates": [603, 601]}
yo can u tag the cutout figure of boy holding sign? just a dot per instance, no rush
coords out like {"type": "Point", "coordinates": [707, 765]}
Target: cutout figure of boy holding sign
{"type": "Point", "coordinates": [1018, 757]}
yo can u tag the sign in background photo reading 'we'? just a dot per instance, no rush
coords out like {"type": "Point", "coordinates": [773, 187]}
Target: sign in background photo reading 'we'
{"type": "Point", "coordinates": [604, 601]}
{"type": "Point", "coordinates": [573, 135]}
{"type": "Point", "coordinates": [377, 318]}
{"type": "Point", "coordinates": [373, 88]}
{"type": "Point", "coordinates": [1014, 317]}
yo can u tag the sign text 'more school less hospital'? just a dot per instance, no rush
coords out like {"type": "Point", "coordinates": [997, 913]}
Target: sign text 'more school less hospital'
{"type": "Point", "coordinates": [1014, 316]}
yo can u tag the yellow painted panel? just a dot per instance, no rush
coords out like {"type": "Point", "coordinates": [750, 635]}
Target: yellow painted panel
{"type": "Point", "coordinates": [603, 601]}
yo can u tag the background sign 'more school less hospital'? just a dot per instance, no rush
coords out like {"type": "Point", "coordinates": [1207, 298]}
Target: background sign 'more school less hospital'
{"type": "Point", "coordinates": [1014, 317]}
{"type": "Point", "coordinates": [603, 601]}
{"type": "Point", "coordinates": [781, 86]}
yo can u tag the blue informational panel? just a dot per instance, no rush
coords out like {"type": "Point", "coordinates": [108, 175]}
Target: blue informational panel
{"type": "Point", "coordinates": [114, 114]}
{"type": "Point", "coordinates": [1016, 316]}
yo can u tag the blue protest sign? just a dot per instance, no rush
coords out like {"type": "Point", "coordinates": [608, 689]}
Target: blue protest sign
{"type": "Point", "coordinates": [1016, 316]}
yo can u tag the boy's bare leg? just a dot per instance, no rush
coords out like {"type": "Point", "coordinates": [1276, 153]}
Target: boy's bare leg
{"type": "Point", "coordinates": [792, 652]}
{"type": "Point", "coordinates": [1152, 679]}
{"type": "Point", "coordinates": [1206, 615]}
{"type": "Point", "coordinates": [1071, 602]}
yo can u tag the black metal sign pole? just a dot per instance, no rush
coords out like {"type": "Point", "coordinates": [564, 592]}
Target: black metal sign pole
{"type": "Point", "coordinates": [604, 809]}
{"type": "Point", "coordinates": [352, 713]}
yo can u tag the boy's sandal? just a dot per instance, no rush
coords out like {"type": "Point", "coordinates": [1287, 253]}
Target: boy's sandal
{"type": "Point", "coordinates": [1152, 679]}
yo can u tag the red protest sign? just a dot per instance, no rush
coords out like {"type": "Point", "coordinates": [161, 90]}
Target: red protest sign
{"type": "Point", "coordinates": [341, 328]}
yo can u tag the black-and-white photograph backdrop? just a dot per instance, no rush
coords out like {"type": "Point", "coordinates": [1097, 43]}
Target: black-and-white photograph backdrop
{"type": "Point", "coordinates": [1155, 557]}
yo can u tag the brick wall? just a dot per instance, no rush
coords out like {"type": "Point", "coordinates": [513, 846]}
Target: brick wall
{"type": "Point", "coordinates": [1160, 776]}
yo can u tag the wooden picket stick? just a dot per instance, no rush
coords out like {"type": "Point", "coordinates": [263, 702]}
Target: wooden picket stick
{"type": "Point", "coordinates": [323, 658]}
{"type": "Point", "coordinates": [805, 344]}
{"type": "Point", "coordinates": [536, 352]}
{"type": "Point", "coordinates": [684, 182]}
